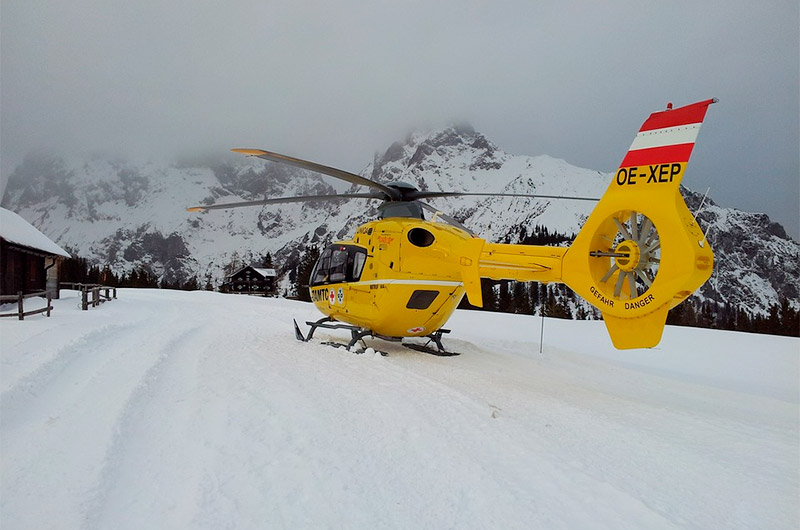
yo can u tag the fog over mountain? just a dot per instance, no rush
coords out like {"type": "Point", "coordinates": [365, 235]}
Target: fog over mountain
{"type": "Point", "coordinates": [337, 83]}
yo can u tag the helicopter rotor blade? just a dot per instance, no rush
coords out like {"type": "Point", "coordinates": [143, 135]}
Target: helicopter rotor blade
{"type": "Point", "coordinates": [284, 200]}
{"type": "Point", "coordinates": [434, 194]}
{"type": "Point", "coordinates": [352, 178]}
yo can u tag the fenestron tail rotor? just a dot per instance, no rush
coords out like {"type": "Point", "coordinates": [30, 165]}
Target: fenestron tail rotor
{"type": "Point", "coordinates": [632, 258]}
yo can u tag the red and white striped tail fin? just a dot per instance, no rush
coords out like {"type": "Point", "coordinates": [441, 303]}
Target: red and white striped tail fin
{"type": "Point", "coordinates": [664, 142]}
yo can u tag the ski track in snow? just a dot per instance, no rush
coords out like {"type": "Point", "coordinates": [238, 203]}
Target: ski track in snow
{"type": "Point", "coordinates": [197, 410]}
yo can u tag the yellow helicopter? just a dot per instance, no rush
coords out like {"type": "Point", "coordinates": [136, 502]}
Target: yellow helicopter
{"type": "Point", "coordinates": [639, 254]}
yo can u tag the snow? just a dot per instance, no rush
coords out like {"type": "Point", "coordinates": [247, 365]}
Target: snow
{"type": "Point", "coordinates": [15, 229]}
{"type": "Point", "coordinates": [168, 409]}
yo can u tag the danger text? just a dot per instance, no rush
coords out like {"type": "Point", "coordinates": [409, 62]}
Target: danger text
{"type": "Point", "coordinates": [639, 303]}
{"type": "Point", "coordinates": [603, 300]}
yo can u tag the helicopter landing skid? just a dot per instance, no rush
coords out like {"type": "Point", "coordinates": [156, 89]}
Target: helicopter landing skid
{"type": "Point", "coordinates": [358, 334]}
{"type": "Point", "coordinates": [436, 338]}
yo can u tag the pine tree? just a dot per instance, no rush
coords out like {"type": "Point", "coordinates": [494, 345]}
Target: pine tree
{"type": "Point", "coordinates": [533, 289]}
{"type": "Point", "coordinates": [488, 294]}
{"type": "Point", "coordinates": [790, 319]}
{"type": "Point", "coordinates": [521, 300]}
{"type": "Point", "coordinates": [307, 262]}
{"type": "Point", "coordinates": [504, 298]}
{"type": "Point", "coordinates": [773, 322]}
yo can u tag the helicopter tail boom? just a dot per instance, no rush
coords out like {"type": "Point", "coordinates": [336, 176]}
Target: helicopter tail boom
{"type": "Point", "coordinates": [522, 263]}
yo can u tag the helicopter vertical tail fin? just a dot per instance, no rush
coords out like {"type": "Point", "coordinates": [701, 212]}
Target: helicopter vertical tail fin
{"type": "Point", "coordinates": [641, 252]}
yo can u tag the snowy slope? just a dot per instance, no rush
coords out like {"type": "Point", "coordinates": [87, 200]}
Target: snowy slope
{"type": "Point", "coordinates": [167, 409]}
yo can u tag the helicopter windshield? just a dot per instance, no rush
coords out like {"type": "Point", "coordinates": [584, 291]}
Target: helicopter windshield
{"type": "Point", "coordinates": [339, 263]}
{"type": "Point", "coordinates": [411, 209]}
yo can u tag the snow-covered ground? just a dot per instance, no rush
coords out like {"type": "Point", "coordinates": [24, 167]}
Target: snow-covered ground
{"type": "Point", "coordinates": [167, 409]}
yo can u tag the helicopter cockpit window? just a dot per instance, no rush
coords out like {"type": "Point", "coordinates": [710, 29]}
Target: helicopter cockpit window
{"type": "Point", "coordinates": [320, 273]}
{"type": "Point", "coordinates": [338, 270]}
{"type": "Point", "coordinates": [401, 209]}
{"type": "Point", "coordinates": [358, 264]}
{"type": "Point", "coordinates": [339, 263]}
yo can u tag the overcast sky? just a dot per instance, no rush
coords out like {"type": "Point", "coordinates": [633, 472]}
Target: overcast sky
{"type": "Point", "coordinates": [336, 82]}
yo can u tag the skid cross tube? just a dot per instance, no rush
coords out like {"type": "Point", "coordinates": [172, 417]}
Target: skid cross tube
{"type": "Point", "coordinates": [358, 334]}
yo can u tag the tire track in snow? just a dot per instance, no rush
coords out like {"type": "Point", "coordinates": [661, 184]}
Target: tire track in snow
{"type": "Point", "coordinates": [63, 411]}
{"type": "Point", "coordinates": [45, 385]}
{"type": "Point", "coordinates": [148, 457]}
{"type": "Point", "coordinates": [265, 434]}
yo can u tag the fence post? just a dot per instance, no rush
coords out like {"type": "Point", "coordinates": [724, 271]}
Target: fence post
{"type": "Point", "coordinates": [19, 306]}
{"type": "Point", "coordinates": [84, 299]}
{"type": "Point", "coordinates": [115, 293]}
{"type": "Point", "coordinates": [49, 299]}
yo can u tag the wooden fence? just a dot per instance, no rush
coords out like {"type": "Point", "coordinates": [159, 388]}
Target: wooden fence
{"type": "Point", "coordinates": [19, 297]}
{"type": "Point", "coordinates": [92, 294]}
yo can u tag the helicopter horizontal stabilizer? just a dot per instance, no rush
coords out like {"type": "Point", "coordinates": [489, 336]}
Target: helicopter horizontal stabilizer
{"type": "Point", "coordinates": [641, 251]}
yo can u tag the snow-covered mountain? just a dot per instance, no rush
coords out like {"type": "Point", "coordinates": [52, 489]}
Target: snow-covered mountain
{"type": "Point", "coordinates": [129, 215]}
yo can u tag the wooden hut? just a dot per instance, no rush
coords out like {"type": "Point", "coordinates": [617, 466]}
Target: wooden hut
{"type": "Point", "coordinates": [29, 261]}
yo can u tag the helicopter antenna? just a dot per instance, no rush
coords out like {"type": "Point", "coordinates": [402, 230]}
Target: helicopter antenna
{"type": "Point", "coordinates": [700, 209]}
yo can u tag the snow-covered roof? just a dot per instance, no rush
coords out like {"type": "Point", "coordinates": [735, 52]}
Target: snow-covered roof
{"type": "Point", "coordinates": [15, 229]}
{"type": "Point", "coordinates": [266, 273]}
